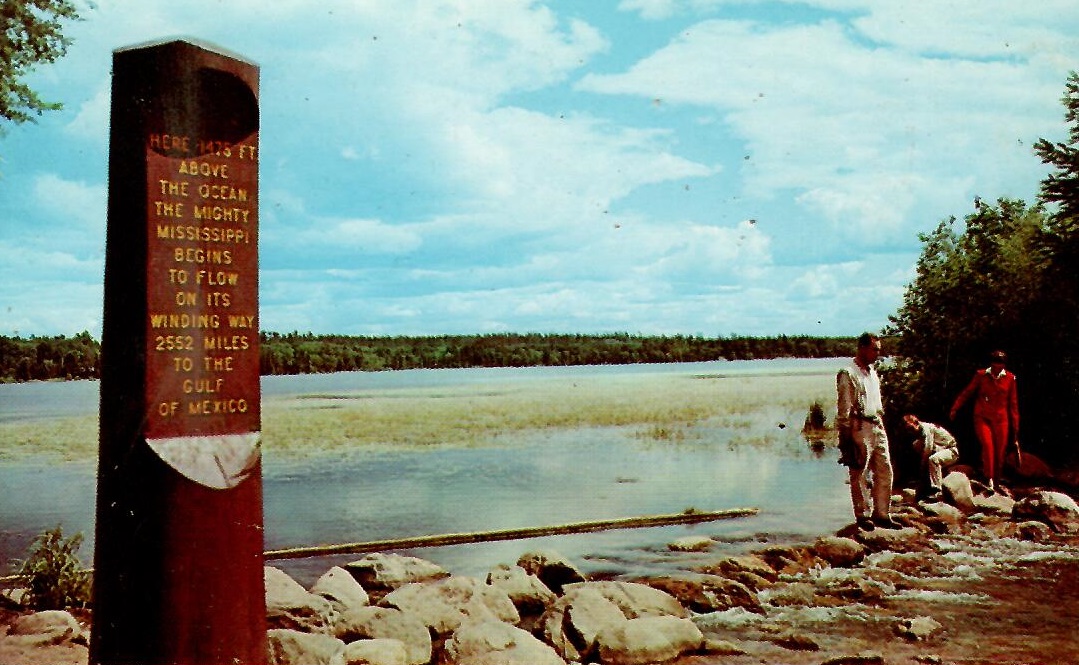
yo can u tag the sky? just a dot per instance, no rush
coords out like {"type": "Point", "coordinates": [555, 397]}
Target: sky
{"type": "Point", "coordinates": [656, 167]}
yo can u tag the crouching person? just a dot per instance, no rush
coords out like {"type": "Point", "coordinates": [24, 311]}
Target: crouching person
{"type": "Point", "coordinates": [936, 448]}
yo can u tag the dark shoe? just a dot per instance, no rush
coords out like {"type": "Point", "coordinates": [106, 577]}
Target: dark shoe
{"type": "Point", "coordinates": [886, 523]}
{"type": "Point", "coordinates": [865, 524]}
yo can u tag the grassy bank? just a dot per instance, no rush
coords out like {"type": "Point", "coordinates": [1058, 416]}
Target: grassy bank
{"type": "Point", "coordinates": [658, 406]}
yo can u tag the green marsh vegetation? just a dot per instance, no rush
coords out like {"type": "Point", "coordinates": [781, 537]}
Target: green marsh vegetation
{"type": "Point", "coordinates": [670, 409]}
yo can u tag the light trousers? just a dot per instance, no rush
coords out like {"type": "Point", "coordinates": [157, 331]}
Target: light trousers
{"type": "Point", "coordinates": [873, 482]}
{"type": "Point", "coordinates": [934, 465]}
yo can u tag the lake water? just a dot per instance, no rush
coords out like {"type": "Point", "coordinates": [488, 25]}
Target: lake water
{"type": "Point", "coordinates": [533, 479]}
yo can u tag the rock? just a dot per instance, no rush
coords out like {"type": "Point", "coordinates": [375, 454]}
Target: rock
{"type": "Point", "coordinates": [795, 594]}
{"type": "Point", "coordinates": [795, 642]}
{"type": "Point", "coordinates": [918, 565]}
{"type": "Point", "coordinates": [290, 606]}
{"type": "Point", "coordinates": [957, 490]}
{"type": "Point", "coordinates": [339, 587]}
{"type": "Point", "coordinates": [373, 623]}
{"type": "Point", "coordinates": [380, 573]}
{"type": "Point", "coordinates": [376, 652]}
{"type": "Point", "coordinates": [691, 544]}
{"type": "Point", "coordinates": [857, 588]}
{"type": "Point", "coordinates": [634, 599]}
{"type": "Point", "coordinates": [1031, 468]}
{"type": "Point", "coordinates": [749, 569]}
{"type": "Point", "coordinates": [907, 539]}
{"type": "Point", "coordinates": [496, 643]}
{"type": "Point", "coordinates": [48, 627]}
{"type": "Point", "coordinates": [1056, 509]}
{"type": "Point", "coordinates": [998, 504]}
{"type": "Point", "coordinates": [943, 510]}
{"type": "Point", "coordinates": [527, 592]}
{"type": "Point", "coordinates": [919, 628]}
{"type": "Point", "coordinates": [553, 569]}
{"type": "Point", "coordinates": [653, 639]}
{"type": "Point", "coordinates": [1034, 531]}
{"type": "Point", "coordinates": [586, 609]}
{"type": "Point", "coordinates": [294, 647]}
{"type": "Point", "coordinates": [572, 623]}
{"type": "Point", "coordinates": [707, 593]}
{"type": "Point", "coordinates": [868, 658]}
{"type": "Point", "coordinates": [444, 604]}
{"type": "Point", "coordinates": [721, 647]}
{"type": "Point", "coordinates": [14, 599]}
{"type": "Point", "coordinates": [839, 552]}
{"type": "Point", "coordinates": [790, 560]}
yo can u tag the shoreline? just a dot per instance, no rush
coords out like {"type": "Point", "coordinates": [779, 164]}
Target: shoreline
{"type": "Point", "coordinates": [948, 588]}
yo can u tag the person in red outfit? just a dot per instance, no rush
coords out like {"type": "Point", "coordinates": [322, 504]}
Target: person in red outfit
{"type": "Point", "coordinates": [996, 413]}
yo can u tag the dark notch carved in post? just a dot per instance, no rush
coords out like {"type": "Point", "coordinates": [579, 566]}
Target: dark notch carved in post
{"type": "Point", "coordinates": [178, 547]}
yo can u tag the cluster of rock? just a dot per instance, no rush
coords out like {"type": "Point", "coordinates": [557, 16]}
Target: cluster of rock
{"type": "Point", "coordinates": [390, 609]}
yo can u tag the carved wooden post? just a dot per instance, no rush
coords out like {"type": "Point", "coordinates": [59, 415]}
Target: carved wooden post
{"type": "Point", "coordinates": [178, 548]}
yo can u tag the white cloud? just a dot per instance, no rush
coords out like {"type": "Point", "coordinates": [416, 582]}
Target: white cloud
{"type": "Point", "coordinates": [861, 133]}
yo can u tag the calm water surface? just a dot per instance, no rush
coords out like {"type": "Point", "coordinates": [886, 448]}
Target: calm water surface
{"type": "Point", "coordinates": [533, 479]}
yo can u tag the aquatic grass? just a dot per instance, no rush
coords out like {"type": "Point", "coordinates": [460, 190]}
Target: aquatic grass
{"type": "Point", "coordinates": [670, 408]}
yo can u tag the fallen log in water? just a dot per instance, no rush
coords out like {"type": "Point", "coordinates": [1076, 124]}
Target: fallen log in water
{"type": "Point", "coordinates": [688, 517]}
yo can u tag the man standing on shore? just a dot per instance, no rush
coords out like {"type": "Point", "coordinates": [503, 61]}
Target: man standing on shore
{"type": "Point", "coordinates": [863, 443]}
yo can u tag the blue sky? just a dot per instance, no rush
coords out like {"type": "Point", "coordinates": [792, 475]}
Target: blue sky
{"type": "Point", "coordinates": [649, 166]}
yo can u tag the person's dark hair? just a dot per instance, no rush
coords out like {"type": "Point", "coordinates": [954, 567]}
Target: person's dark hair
{"type": "Point", "coordinates": [865, 339]}
{"type": "Point", "coordinates": [998, 355]}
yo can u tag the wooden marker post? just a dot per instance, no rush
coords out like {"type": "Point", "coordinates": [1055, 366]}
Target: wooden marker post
{"type": "Point", "coordinates": [178, 549]}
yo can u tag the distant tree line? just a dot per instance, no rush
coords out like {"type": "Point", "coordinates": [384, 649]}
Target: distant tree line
{"type": "Point", "coordinates": [78, 357]}
{"type": "Point", "coordinates": [44, 358]}
{"type": "Point", "coordinates": [296, 353]}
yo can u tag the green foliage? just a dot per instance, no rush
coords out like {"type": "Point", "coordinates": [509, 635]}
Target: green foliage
{"type": "Point", "coordinates": [1060, 187]}
{"type": "Point", "coordinates": [44, 358]}
{"type": "Point", "coordinates": [1009, 279]}
{"type": "Point", "coordinates": [974, 291]}
{"type": "Point", "coordinates": [297, 353]}
{"type": "Point", "coordinates": [815, 418]}
{"type": "Point", "coordinates": [53, 573]}
{"type": "Point", "coordinates": [30, 34]}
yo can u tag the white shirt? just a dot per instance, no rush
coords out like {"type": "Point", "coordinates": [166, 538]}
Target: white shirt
{"type": "Point", "coordinates": [859, 394]}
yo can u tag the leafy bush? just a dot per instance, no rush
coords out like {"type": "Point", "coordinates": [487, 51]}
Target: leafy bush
{"type": "Point", "coordinates": [53, 573]}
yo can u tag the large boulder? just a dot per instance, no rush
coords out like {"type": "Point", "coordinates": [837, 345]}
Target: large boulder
{"type": "Point", "coordinates": [496, 643]}
{"type": "Point", "coordinates": [1056, 509]}
{"type": "Point", "coordinates": [376, 652]}
{"type": "Point", "coordinates": [958, 492]}
{"type": "Point", "coordinates": [528, 593]}
{"type": "Point", "coordinates": [294, 647]}
{"type": "Point", "coordinates": [749, 569]}
{"type": "Point", "coordinates": [572, 623]}
{"type": "Point", "coordinates": [339, 587]}
{"type": "Point", "coordinates": [443, 605]}
{"type": "Point", "coordinates": [839, 552]}
{"type": "Point", "coordinates": [653, 639]}
{"type": "Point", "coordinates": [374, 623]}
{"type": "Point", "coordinates": [48, 627]}
{"type": "Point", "coordinates": [586, 609]}
{"type": "Point", "coordinates": [553, 569]}
{"type": "Point", "coordinates": [634, 599]}
{"type": "Point", "coordinates": [380, 573]}
{"type": "Point", "coordinates": [707, 593]}
{"type": "Point", "coordinates": [290, 606]}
